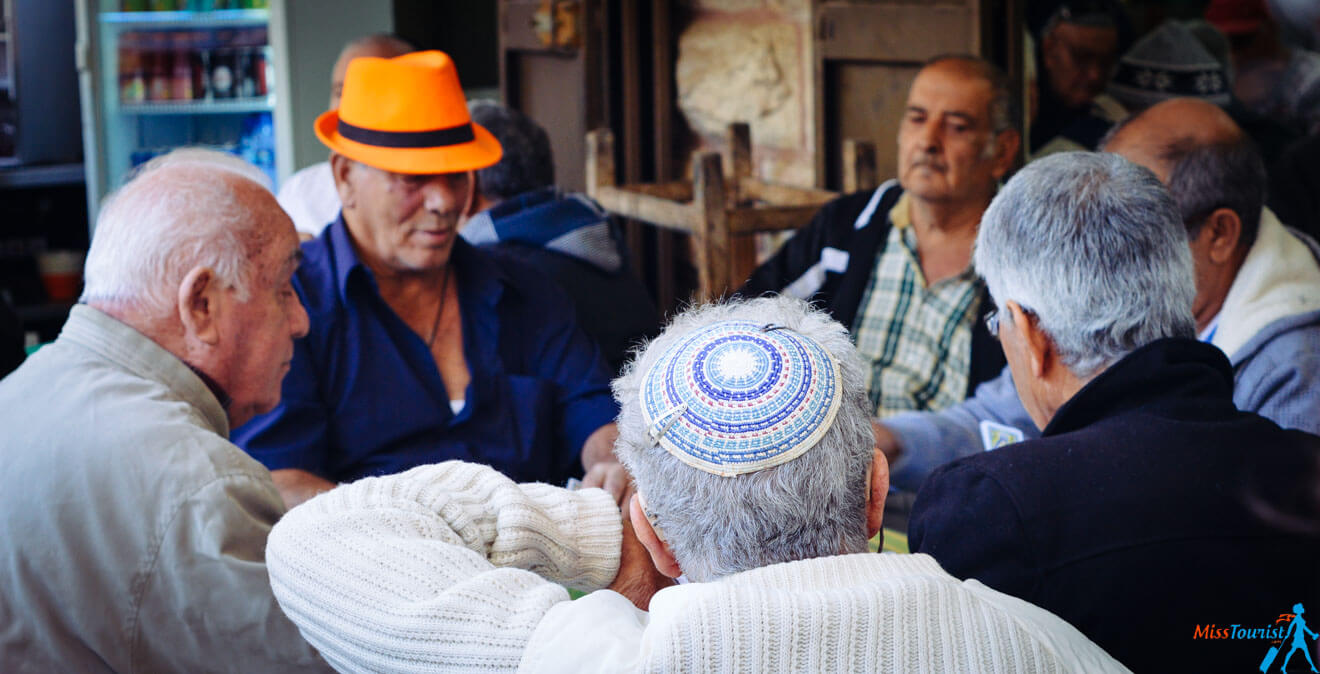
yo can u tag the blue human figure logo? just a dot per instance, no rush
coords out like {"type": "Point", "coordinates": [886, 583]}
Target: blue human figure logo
{"type": "Point", "coordinates": [1298, 630]}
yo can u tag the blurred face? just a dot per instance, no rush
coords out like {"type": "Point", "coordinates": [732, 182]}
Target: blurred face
{"type": "Point", "coordinates": [946, 150]}
{"type": "Point", "coordinates": [407, 223]}
{"type": "Point", "coordinates": [1078, 60]}
{"type": "Point", "coordinates": [258, 334]}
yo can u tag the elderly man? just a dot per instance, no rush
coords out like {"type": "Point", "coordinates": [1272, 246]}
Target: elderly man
{"type": "Point", "coordinates": [1258, 292]}
{"type": "Point", "coordinates": [747, 428]}
{"type": "Point", "coordinates": [132, 533]}
{"type": "Point", "coordinates": [422, 347]}
{"type": "Point", "coordinates": [309, 196]}
{"type": "Point", "coordinates": [1080, 41]}
{"type": "Point", "coordinates": [895, 264]}
{"type": "Point", "coordinates": [1150, 507]}
{"type": "Point", "coordinates": [567, 235]}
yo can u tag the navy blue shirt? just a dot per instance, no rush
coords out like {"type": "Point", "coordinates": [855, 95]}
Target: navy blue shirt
{"type": "Point", "coordinates": [364, 395]}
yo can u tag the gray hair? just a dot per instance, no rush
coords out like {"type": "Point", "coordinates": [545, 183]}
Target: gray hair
{"type": "Point", "coordinates": [176, 212]}
{"type": "Point", "coordinates": [1003, 110]}
{"type": "Point", "coordinates": [812, 506]}
{"type": "Point", "coordinates": [527, 164]}
{"type": "Point", "coordinates": [1091, 244]}
{"type": "Point", "coordinates": [1228, 175]}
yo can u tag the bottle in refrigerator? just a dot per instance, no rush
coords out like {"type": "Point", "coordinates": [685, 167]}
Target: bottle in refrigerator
{"type": "Point", "coordinates": [222, 73]}
{"type": "Point", "coordinates": [158, 80]}
{"type": "Point", "coordinates": [200, 61]}
{"type": "Point", "coordinates": [132, 81]}
{"type": "Point", "coordinates": [181, 78]}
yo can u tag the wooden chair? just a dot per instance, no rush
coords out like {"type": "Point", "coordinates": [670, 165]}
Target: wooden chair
{"type": "Point", "coordinates": [722, 215]}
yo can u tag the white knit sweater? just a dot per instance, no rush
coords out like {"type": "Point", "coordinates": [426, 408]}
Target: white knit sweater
{"type": "Point", "coordinates": [453, 567]}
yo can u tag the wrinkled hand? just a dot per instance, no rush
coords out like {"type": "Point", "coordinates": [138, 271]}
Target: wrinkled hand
{"type": "Point", "coordinates": [638, 579]}
{"type": "Point", "coordinates": [612, 477]}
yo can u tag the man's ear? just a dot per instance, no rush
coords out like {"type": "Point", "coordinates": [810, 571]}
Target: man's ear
{"type": "Point", "coordinates": [877, 492]}
{"type": "Point", "coordinates": [199, 305]}
{"type": "Point", "coordinates": [1224, 231]}
{"type": "Point", "coordinates": [1006, 149]}
{"type": "Point", "coordinates": [660, 556]}
{"type": "Point", "coordinates": [1038, 347]}
{"type": "Point", "coordinates": [340, 167]}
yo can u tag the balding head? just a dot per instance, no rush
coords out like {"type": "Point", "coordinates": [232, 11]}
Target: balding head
{"type": "Point", "coordinates": [194, 253]}
{"type": "Point", "coordinates": [1172, 128]}
{"type": "Point", "coordinates": [1202, 155]}
{"type": "Point", "coordinates": [184, 209]}
{"type": "Point", "coordinates": [1216, 176]}
{"type": "Point", "coordinates": [380, 45]}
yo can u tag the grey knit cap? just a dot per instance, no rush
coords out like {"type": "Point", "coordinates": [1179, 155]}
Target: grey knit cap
{"type": "Point", "coordinates": [1170, 62]}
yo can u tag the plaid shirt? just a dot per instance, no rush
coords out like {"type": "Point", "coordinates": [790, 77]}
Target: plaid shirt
{"type": "Point", "coordinates": [917, 339]}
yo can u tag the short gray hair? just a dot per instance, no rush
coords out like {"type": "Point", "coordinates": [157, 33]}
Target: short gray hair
{"type": "Point", "coordinates": [812, 506]}
{"type": "Point", "coordinates": [176, 212]}
{"type": "Point", "coordinates": [528, 162]}
{"type": "Point", "coordinates": [1093, 245]}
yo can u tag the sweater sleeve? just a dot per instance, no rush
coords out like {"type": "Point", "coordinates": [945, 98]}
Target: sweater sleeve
{"type": "Point", "coordinates": [446, 567]}
{"type": "Point", "coordinates": [932, 439]}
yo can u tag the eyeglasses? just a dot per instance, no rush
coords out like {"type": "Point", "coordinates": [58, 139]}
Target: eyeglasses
{"type": "Point", "coordinates": [992, 320]}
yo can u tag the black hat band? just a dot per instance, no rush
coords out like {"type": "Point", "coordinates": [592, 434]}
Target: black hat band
{"type": "Point", "coordinates": [453, 135]}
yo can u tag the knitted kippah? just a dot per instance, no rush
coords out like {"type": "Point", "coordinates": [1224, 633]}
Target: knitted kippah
{"type": "Point", "coordinates": [1170, 62]}
{"type": "Point", "coordinates": [738, 397]}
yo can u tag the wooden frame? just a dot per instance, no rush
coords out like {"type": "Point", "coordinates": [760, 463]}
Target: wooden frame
{"type": "Point", "coordinates": [720, 215]}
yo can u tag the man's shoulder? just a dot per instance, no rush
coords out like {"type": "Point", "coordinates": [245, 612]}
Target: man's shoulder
{"type": "Point", "coordinates": [511, 267]}
{"type": "Point", "coordinates": [858, 210]}
{"type": "Point", "coordinates": [1291, 339]}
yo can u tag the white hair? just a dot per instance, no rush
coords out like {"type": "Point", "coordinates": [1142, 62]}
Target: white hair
{"type": "Point", "coordinates": [1093, 245]}
{"type": "Point", "coordinates": [812, 506]}
{"type": "Point", "coordinates": [177, 212]}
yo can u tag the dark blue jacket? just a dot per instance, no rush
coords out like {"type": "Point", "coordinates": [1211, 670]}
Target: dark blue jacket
{"type": "Point", "coordinates": [1150, 511]}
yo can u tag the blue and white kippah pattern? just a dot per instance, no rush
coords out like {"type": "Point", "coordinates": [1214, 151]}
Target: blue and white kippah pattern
{"type": "Point", "coordinates": [738, 397]}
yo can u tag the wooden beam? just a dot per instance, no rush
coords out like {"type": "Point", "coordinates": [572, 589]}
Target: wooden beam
{"type": "Point", "coordinates": [745, 221]}
{"type": "Point", "coordinates": [711, 240]}
{"type": "Point", "coordinates": [678, 190]}
{"type": "Point", "coordinates": [783, 195]}
{"type": "Point", "coordinates": [600, 161]}
{"type": "Point", "coordinates": [740, 158]}
{"type": "Point", "coordinates": [859, 166]}
{"type": "Point", "coordinates": [647, 208]}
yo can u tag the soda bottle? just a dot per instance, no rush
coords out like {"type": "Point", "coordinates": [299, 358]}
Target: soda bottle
{"type": "Point", "coordinates": [181, 80]}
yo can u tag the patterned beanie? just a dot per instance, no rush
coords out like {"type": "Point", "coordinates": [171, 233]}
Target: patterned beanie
{"type": "Point", "coordinates": [1170, 62]}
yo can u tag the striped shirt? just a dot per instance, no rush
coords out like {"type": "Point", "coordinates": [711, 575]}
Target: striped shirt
{"type": "Point", "coordinates": [916, 339]}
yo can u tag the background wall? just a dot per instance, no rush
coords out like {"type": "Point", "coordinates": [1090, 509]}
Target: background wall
{"type": "Point", "coordinates": [750, 60]}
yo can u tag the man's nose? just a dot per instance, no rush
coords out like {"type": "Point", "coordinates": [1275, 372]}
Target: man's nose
{"type": "Point", "coordinates": [930, 137]}
{"type": "Point", "coordinates": [299, 323]}
{"type": "Point", "coordinates": [438, 196]}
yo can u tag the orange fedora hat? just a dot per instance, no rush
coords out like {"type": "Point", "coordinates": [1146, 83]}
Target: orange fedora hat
{"type": "Point", "coordinates": [407, 115]}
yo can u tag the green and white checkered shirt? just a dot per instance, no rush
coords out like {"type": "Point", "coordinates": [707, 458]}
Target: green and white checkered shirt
{"type": "Point", "coordinates": [917, 339]}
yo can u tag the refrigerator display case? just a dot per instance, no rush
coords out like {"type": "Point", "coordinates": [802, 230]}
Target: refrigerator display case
{"type": "Point", "coordinates": [168, 74]}
{"type": "Point", "coordinates": [242, 76]}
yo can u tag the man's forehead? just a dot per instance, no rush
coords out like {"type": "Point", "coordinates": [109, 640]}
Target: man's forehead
{"type": "Point", "coordinates": [950, 88]}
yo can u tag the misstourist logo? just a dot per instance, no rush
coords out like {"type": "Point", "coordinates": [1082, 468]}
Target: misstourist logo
{"type": "Point", "coordinates": [1288, 631]}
